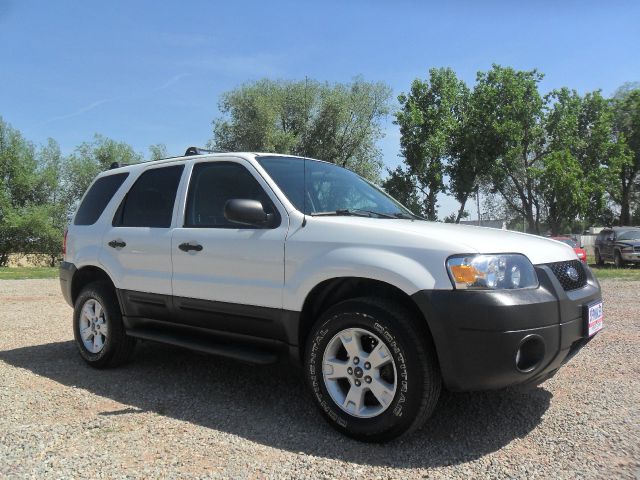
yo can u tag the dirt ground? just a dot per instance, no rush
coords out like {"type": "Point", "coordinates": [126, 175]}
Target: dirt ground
{"type": "Point", "coordinates": [177, 414]}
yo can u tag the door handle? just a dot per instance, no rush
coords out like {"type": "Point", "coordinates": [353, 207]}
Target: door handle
{"type": "Point", "coordinates": [185, 247]}
{"type": "Point", "coordinates": [117, 244]}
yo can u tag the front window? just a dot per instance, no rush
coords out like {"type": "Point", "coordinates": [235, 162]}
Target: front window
{"type": "Point", "coordinates": [212, 185]}
{"type": "Point", "coordinates": [329, 189]}
{"type": "Point", "coordinates": [630, 235]}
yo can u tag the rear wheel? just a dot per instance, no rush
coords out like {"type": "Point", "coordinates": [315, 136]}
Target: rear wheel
{"type": "Point", "coordinates": [98, 329]}
{"type": "Point", "coordinates": [372, 370]}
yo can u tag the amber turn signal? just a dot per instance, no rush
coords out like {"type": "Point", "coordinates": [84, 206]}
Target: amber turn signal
{"type": "Point", "coordinates": [464, 273]}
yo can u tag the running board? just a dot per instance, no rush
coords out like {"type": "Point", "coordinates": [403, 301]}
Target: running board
{"type": "Point", "coordinates": [236, 352]}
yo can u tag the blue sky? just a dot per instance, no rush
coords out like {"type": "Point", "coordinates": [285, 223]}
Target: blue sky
{"type": "Point", "coordinates": [149, 72]}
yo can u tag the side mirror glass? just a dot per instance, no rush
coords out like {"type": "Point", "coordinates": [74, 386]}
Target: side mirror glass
{"type": "Point", "coordinates": [247, 212]}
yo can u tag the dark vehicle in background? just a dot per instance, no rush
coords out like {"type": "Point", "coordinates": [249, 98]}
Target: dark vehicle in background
{"type": "Point", "coordinates": [580, 252]}
{"type": "Point", "coordinates": [621, 245]}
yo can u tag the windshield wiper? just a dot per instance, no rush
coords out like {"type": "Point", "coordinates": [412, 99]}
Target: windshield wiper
{"type": "Point", "coordinates": [408, 216]}
{"type": "Point", "coordinates": [353, 212]}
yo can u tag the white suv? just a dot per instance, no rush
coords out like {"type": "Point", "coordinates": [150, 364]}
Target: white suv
{"type": "Point", "coordinates": [253, 256]}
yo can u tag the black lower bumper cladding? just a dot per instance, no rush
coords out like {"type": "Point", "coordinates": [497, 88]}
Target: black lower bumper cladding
{"type": "Point", "coordinates": [494, 339]}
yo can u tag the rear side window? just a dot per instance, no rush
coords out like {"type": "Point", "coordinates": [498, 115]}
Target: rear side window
{"type": "Point", "coordinates": [212, 185]}
{"type": "Point", "coordinates": [150, 200]}
{"type": "Point", "coordinates": [97, 198]}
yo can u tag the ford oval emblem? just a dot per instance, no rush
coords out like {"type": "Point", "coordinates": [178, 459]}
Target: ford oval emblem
{"type": "Point", "coordinates": [572, 273]}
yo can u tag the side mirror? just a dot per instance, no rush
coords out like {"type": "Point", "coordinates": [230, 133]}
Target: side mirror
{"type": "Point", "coordinates": [247, 212]}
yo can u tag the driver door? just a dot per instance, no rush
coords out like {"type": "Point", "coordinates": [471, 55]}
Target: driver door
{"type": "Point", "coordinates": [228, 276]}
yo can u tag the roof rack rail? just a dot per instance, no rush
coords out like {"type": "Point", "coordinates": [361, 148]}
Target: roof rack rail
{"type": "Point", "coordinates": [200, 151]}
{"type": "Point", "coordinates": [118, 165]}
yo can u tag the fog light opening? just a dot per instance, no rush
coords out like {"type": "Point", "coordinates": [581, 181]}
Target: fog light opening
{"type": "Point", "coordinates": [530, 353]}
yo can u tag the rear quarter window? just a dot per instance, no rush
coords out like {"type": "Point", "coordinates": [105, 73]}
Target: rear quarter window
{"type": "Point", "coordinates": [150, 201]}
{"type": "Point", "coordinates": [97, 198]}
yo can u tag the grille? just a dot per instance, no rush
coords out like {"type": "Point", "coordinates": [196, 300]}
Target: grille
{"type": "Point", "coordinates": [560, 270]}
{"type": "Point", "coordinates": [636, 249]}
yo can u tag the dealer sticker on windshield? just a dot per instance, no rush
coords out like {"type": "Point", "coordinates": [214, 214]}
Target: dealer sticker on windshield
{"type": "Point", "coordinates": [595, 318]}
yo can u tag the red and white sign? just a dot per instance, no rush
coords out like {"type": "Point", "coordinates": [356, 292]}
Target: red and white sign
{"type": "Point", "coordinates": [595, 318]}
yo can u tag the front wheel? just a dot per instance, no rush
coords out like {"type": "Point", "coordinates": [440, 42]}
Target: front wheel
{"type": "Point", "coordinates": [372, 369]}
{"type": "Point", "coordinates": [617, 260]}
{"type": "Point", "coordinates": [599, 260]}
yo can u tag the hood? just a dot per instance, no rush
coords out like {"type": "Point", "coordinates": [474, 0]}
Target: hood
{"type": "Point", "coordinates": [630, 243]}
{"type": "Point", "coordinates": [454, 239]}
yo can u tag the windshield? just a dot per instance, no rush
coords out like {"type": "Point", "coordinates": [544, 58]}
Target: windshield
{"type": "Point", "coordinates": [568, 241]}
{"type": "Point", "coordinates": [329, 188]}
{"type": "Point", "coordinates": [630, 235]}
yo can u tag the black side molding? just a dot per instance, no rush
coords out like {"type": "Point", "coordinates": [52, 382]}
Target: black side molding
{"type": "Point", "coordinates": [206, 345]}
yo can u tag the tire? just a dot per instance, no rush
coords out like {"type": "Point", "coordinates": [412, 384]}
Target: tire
{"type": "Point", "coordinates": [599, 260]}
{"type": "Point", "coordinates": [411, 369]}
{"type": "Point", "coordinates": [617, 259]}
{"type": "Point", "coordinates": [113, 346]}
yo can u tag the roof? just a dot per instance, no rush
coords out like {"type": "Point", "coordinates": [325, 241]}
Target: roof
{"type": "Point", "coordinates": [246, 155]}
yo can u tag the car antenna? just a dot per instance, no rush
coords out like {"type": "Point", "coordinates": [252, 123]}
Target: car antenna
{"type": "Point", "coordinates": [304, 192]}
{"type": "Point", "coordinates": [304, 160]}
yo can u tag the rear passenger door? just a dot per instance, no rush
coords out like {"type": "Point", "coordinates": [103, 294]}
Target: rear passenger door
{"type": "Point", "coordinates": [233, 281]}
{"type": "Point", "coordinates": [137, 246]}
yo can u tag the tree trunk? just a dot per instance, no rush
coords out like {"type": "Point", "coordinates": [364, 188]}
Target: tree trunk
{"type": "Point", "coordinates": [430, 206]}
{"type": "Point", "coordinates": [625, 209]}
{"type": "Point", "coordinates": [461, 209]}
{"type": "Point", "coordinates": [531, 221]}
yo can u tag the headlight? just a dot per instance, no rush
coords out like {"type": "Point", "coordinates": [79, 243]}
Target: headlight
{"type": "Point", "coordinates": [491, 272]}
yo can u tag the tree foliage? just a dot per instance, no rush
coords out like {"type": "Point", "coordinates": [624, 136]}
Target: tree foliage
{"type": "Point", "coordinates": [428, 119]}
{"type": "Point", "coordinates": [30, 214]}
{"type": "Point", "coordinates": [626, 122]}
{"type": "Point", "coordinates": [340, 123]}
{"type": "Point", "coordinates": [89, 159]}
{"type": "Point", "coordinates": [551, 159]}
{"type": "Point", "coordinates": [40, 188]}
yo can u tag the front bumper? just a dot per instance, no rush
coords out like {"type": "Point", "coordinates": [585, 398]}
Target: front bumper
{"type": "Point", "coordinates": [477, 334]}
{"type": "Point", "coordinates": [630, 257]}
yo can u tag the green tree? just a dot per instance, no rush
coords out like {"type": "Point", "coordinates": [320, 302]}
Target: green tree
{"type": "Point", "coordinates": [428, 121]}
{"type": "Point", "coordinates": [402, 187]}
{"type": "Point", "coordinates": [562, 189]}
{"type": "Point", "coordinates": [512, 108]}
{"type": "Point", "coordinates": [577, 157]}
{"type": "Point", "coordinates": [471, 152]}
{"type": "Point", "coordinates": [89, 159]}
{"type": "Point", "coordinates": [626, 129]}
{"type": "Point", "coordinates": [340, 123]}
{"type": "Point", "coordinates": [29, 220]}
{"type": "Point", "coordinates": [158, 151]}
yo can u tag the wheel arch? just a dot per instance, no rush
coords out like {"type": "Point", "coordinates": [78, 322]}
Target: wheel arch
{"type": "Point", "coordinates": [335, 290]}
{"type": "Point", "coordinates": [88, 274]}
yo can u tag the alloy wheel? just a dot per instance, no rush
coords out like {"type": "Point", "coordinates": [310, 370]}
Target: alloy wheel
{"type": "Point", "coordinates": [359, 372]}
{"type": "Point", "coordinates": [93, 326]}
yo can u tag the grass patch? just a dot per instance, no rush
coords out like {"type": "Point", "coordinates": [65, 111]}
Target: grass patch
{"type": "Point", "coordinates": [23, 273]}
{"type": "Point", "coordinates": [609, 271]}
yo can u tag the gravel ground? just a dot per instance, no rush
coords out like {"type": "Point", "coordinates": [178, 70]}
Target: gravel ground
{"type": "Point", "coordinates": [173, 413]}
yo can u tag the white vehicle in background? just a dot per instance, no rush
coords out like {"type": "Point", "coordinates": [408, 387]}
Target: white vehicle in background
{"type": "Point", "coordinates": [254, 256]}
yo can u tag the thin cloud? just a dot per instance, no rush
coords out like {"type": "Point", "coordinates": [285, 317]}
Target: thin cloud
{"type": "Point", "coordinates": [172, 81]}
{"type": "Point", "coordinates": [256, 65]}
{"type": "Point", "coordinates": [81, 111]}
